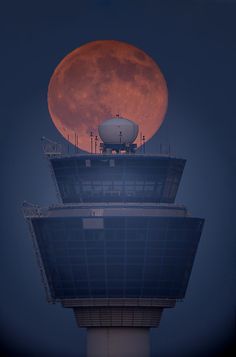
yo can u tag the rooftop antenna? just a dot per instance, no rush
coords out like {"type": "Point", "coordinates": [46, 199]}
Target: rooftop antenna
{"type": "Point", "coordinates": [68, 146]}
{"type": "Point", "coordinates": [77, 143]}
{"type": "Point", "coordinates": [140, 138]}
{"type": "Point", "coordinates": [120, 137]}
{"type": "Point", "coordinates": [91, 141]}
{"type": "Point", "coordinates": [96, 143]}
{"type": "Point", "coordinates": [144, 144]}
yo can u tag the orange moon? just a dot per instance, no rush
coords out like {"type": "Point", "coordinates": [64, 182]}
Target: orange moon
{"type": "Point", "coordinates": [100, 79]}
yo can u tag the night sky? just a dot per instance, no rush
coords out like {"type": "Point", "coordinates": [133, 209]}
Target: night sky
{"type": "Point", "coordinates": [194, 43]}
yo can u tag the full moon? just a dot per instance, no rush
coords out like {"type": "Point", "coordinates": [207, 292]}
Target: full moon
{"type": "Point", "coordinates": [100, 80]}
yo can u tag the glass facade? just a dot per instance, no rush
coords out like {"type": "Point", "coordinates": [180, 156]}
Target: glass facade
{"type": "Point", "coordinates": [148, 257]}
{"type": "Point", "coordinates": [123, 178]}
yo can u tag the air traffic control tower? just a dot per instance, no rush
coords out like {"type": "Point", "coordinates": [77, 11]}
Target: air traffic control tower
{"type": "Point", "coordinates": [116, 249]}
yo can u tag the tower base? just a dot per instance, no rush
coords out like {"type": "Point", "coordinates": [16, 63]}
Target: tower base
{"type": "Point", "coordinates": [118, 342]}
{"type": "Point", "coordinates": [118, 327]}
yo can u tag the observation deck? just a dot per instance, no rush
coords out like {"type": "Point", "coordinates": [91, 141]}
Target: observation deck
{"type": "Point", "coordinates": [117, 243]}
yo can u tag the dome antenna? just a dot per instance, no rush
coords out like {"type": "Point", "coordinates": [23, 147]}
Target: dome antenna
{"type": "Point", "coordinates": [118, 135]}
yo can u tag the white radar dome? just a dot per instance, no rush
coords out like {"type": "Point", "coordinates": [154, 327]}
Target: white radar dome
{"type": "Point", "coordinates": [118, 131]}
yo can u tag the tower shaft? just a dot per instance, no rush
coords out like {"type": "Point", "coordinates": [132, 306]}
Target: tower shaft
{"type": "Point", "coordinates": [118, 341]}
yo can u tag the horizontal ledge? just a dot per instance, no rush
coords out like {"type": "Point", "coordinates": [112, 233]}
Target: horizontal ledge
{"type": "Point", "coordinates": [121, 302]}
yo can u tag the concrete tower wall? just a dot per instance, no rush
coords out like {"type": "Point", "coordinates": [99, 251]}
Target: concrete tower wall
{"type": "Point", "coordinates": [118, 342]}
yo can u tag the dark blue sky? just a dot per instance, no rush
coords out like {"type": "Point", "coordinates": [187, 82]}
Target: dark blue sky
{"type": "Point", "coordinates": [194, 44]}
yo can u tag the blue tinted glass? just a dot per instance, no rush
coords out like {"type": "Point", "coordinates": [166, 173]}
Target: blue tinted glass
{"type": "Point", "coordinates": [115, 259]}
{"type": "Point", "coordinates": [155, 180]}
{"type": "Point", "coordinates": [135, 259]}
{"type": "Point", "coordinates": [131, 292]}
{"type": "Point", "coordinates": [107, 263]}
{"type": "Point", "coordinates": [96, 272]}
{"type": "Point", "coordinates": [115, 272]}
